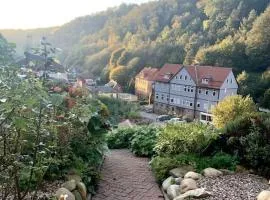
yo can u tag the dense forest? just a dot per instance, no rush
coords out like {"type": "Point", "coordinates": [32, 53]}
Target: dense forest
{"type": "Point", "coordinates": [117, 43]}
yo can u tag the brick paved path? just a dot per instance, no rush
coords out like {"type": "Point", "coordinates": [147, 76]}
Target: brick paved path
{"type": "Point", "coordinates": [126, 177]}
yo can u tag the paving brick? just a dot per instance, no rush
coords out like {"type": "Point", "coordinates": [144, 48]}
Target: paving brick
{"type": "Point", "coordinates": [126, 177]}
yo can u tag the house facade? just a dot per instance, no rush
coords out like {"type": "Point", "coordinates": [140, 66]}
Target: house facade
{"type": "Point", "coordinates": [194, 90]}
{"type": "Point", "coordinates": [144, 83]}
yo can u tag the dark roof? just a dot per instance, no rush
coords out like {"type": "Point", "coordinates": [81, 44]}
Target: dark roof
{"type": "Point", "coordinates": [148, 73]}
{"type": "Point", "coordinates": [167, 72]}
{"type": "Point", "coordinates": [215, 75]}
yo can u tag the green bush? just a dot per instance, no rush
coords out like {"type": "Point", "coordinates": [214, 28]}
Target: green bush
{"type": "Point", "coordinates": [120, 138]}
{"type": "Point", "coordinates": [144, 140]}
{"type": "Point", "coordinates": [162, 165]}
{"type": "Point", "coordinates": [119, 109]}
{"type": "Point", "coordinates": [185, 138]}
{"type": "Point", "coordinates": [249, 139]}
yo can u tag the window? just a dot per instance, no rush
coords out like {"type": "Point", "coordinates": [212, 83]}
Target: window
{"type": "Point", "coordinates": [181, 77]}
{"type": "Point", "coordinates": [185, 89]}
{"type": "Point", "coordinates": [206, 92]}
{"type": "Point", "coordinates": [190, 104]}
{"type": "Point", "coordinates": [231, 80]}
{"type": "Point", "coordinates": [156, 96]}
{"type": "Point", "coordinates": [168, 98]}
{"type": "Point", "coordinates": [172, 109]}
{"type": "Point", "coordinates": [200, 90]}
{"type": "Point", "coordinates": [162, 96]}
{"type": "Point", "coordinates": [214, 93]}
{"type": "Point", "coordinates": [205, 81]}
{"type": "Point", "coordinates": [176, 77]}
{"type": "Point", "coordinates": [191, 90]}
{"type": "Point", "coordinates": [183, 102]}
{"type": "Point", "coordinates": [188, 89]}
{"type": "Point", "coordinates": [198, 104]}
{"type": "Point", "coordinates": [172, 100]}
{"type": "Point", "coordinates": [227, 80]}
{"type": "Point", "coordinates": [185, 77]}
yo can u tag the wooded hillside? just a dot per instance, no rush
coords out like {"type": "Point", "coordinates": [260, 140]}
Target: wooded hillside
{"type": "Point", "coordinates": [119, 42]}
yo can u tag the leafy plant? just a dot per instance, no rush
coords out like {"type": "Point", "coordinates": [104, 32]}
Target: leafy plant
{"type": "Point", "coordinates": [120, 138]}
{"type": "Point", "coordinates": [144, 140]}
{"type": "Point", "coordinates": [162, 165]}
{"type": "Point", "coordinates": [185, 138]}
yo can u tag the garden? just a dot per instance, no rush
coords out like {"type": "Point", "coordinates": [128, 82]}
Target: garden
{"type": "Point", "coordinates": [237, 145]}
{"type": "Point", "coordinates": [49, 133]}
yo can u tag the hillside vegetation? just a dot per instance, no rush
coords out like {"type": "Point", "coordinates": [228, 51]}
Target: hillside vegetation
{"type": "Point", "coordinates": [119, 42]}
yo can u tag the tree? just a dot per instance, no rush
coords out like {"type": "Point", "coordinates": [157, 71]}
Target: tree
{"type": "Point", "coordinates": [7, 51]}
{"type": "Point", "coordinates": [258, 40]}
{"type": "Point", "coordinates": [231, 108]}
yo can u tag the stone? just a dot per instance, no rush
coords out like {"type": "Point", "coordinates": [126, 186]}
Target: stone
{"type": "Point", "coordinates": [82, 189]}
{"type": "Point", "coordinates": [75, 177]}
{"type": "Point", "coordinates": [77, 195]}
{"type": "Point", "coordinates": [226, 172]}
{"type": "Point", "coordinates": [63, 193]}
{"type": "Point", "coordinates": [264, 195]}
{"type": "Point", "coordinates": [178, 180]}
{"type": "Point", "coordinates": [197, 193]}
{"type": "Point", "coordinates": [70, 185]}
{"type": "Point", "coordinates": [169, 181]}
{"type": "Point", "coordinates": [193, 175]}
{"type": "Point", "coordinates": [188, 184]}
{"type": "Point", "coordinates": [180, 171]}
{"type": "Point", "coordinates": [173, 191]}
{"type": "Point", "coordinates": [212, 172]}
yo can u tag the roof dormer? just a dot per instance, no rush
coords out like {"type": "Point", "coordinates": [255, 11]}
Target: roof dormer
{"type": "Point", "coordinates": [206, 80]}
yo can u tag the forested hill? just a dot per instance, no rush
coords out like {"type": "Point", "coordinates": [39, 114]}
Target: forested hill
{"type": "Point", "coordinates": [118, 42]}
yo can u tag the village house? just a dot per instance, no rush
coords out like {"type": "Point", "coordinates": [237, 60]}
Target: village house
{"type": "Point", "coordinates": [144, 83]}
{"type": "Point", "coordinates": [192, 91]}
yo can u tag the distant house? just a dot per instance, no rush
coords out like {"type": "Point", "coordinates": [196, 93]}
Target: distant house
{"type": "Point", "coordinates": [144, 83]}
{"type": "Point", "coordinates": [192, 90]}
{"type": "Point", "coordinates": [36, 64]}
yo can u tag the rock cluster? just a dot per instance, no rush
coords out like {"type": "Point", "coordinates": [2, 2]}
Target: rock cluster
{"type": "Point", "coordinates": [220, 184]}
{"type": "Point", "coordinates": [73, 189]}
{"type": "Point", "coordinates": [182, 183]}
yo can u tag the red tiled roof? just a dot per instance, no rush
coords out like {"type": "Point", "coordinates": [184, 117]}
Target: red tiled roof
{"type": "Point", "coordinates": [148, 73]}
{"type": "Point", "coordinates": [216, 75]}
{"type": "Point", "coordinates": [167, 72]}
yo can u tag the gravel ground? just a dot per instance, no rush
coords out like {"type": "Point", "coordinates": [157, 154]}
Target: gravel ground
{"type": "Point", "coordinates": [234, 187]}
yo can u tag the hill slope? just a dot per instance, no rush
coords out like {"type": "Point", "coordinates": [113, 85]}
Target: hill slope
{"type": "Point", "coordinates": [118, 42]}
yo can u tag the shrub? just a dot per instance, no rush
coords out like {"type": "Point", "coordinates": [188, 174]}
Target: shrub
{"type": "Point", "coordinates": [120, 109]}
{"type": "Point", "coordinates": [162, 165]}
{"type": "Point", "coordinates": [120, 138]}
{"type": "Point", "coordinates": [231, 108]}
{"type": "Point", "coordinates": [140, 139]}
{"type": "Point", "coordinates": [144, 140]}
{"type": "Point", "coordinates": [249, 138]}
{"type": "Point", "coordinates": [185, 138]}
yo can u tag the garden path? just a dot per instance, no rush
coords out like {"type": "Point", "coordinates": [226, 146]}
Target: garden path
{"type": "Point", "coordinates": [126, 177]}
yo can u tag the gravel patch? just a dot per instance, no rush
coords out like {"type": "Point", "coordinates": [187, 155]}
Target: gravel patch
{"type": "Point", "coordinates": [234, 187]}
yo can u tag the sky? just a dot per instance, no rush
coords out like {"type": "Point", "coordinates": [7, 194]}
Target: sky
{"type": "Point", "coordinates": [26, 14]}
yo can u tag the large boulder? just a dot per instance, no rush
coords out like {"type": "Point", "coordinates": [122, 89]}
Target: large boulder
{"type": "Point", "coordinates": [64, 193]}
{"type": "Point", "coordinates": [169, 181]}
{"type": "Point", "coordinates": [70, 185]}
{"type": "Point", "coordinates": [180, 171]}
{"type": "Point", "coordinates": [82, 189]}
{"type": "Point", "coordinates": [193, 175]}
{"type": "Point", "coordinates": [264, 195]}
{"type": "Point", "coordinates": [197, 193]}
{"type": "Point", "coordinates": [178, 180]}
{"type": "Point", "coordinates": [188, 184]}
{"type": "Point", "coordinates": [173, 191]}
{"type": "Point", "coordinates": [77, 195]}
{"type": "Point", "coordinates": [211, 172]}
{"type": "Point", "coordinates": [75, 177]}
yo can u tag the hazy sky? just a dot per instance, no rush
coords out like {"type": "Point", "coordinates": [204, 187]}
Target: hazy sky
{"type": "Point", "coordinates": [44, 13]}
